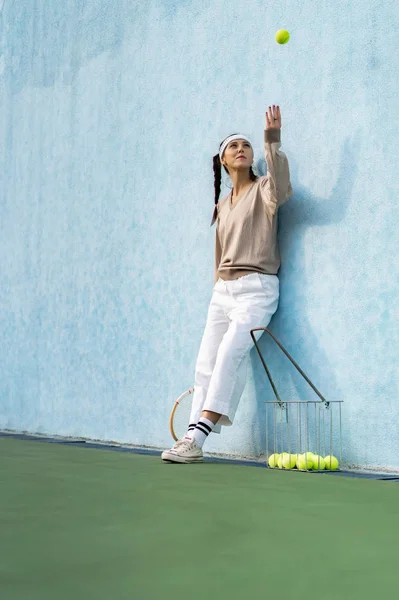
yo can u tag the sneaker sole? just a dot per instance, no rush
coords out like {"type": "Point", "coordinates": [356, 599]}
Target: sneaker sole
{"type": "Point", "coordinates": [172, 458]}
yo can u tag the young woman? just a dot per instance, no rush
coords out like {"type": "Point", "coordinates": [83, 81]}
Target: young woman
{"type": "Point", "coordinates": [246, 291]}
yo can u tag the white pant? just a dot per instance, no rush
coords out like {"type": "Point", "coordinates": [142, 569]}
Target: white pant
{"type": "Point", "coordinates": [236, 307]}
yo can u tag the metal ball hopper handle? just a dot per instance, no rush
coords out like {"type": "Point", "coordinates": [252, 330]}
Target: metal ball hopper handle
{"type": "Point", "coordinates": [289, 357]}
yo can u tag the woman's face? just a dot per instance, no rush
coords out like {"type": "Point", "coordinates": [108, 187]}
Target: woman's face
{"type": "Point", "coordinates": [238, 155]}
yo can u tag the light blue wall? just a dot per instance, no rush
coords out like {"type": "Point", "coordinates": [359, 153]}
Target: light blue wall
{"type": "Point", "coordinates": [110, 113]}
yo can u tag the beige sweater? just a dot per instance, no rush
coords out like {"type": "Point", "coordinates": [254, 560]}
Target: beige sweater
{"type": "Point", "coordinates": [246, 232]}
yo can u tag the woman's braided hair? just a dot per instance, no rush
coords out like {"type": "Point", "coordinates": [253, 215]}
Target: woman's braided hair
{"type": "Point", "coordinates": [217, 172]}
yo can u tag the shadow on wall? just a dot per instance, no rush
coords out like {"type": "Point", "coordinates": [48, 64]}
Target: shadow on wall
{"type": "Point", "coordinates": [290, 324]}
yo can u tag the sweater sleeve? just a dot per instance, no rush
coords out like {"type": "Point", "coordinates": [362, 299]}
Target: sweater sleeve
{"type": "Point", "coordinates": [276, 186]}
{"type": "Point", "coordinates": [218, 255]}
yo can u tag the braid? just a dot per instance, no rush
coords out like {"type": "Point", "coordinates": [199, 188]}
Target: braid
{"type": "Point", "coordinates": [252, 174]}
{"type": "Point", "coordinates": [217, 173]}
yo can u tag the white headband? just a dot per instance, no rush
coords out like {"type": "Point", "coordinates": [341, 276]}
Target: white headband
{"type": "Point", "coordinates": [227, 141]}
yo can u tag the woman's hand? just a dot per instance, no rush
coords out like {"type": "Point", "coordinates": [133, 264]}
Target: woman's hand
{"type": "Point", "coordinates": [273, 117]}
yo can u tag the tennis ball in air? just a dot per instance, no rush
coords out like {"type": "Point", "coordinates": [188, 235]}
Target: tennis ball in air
{"type": "Point", "coordinates": [331, 463]}
{"type": "Point", "coordinates": [287, 461]}
{"type": "Point", "coordinates": [282, 36]}
{"type": "Point", "coordinates": [305, 463]}
{"type": "Point", "coordinates": [273, 461]}
{"type": "Point", "coordinates": [318, 463]}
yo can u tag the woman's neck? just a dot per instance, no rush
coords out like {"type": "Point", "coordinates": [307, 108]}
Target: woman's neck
{"type": "Point", "coordinates": [240, 183]}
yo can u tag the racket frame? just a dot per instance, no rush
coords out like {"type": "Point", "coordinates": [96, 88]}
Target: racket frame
{"type": "Point", "coordinates": [173, 411]}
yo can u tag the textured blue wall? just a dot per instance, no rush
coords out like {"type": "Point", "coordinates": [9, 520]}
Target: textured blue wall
{"type": "Point", "coordinates": [110, 114]}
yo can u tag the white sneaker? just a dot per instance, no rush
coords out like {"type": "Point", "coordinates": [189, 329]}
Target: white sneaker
{"type": "Point", "coordinates": [184, 451]}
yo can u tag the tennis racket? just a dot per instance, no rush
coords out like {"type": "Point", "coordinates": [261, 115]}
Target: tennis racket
{"type": "Point", "coordinates": [180, 414]}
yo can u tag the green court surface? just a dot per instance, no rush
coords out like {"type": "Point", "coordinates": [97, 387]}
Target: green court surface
{"type": "Point", "coordinates": [82, 523]}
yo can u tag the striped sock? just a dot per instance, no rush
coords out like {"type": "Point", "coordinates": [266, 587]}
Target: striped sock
{"type": "Point", "coordinates": [201, 431]}
{"type": "Point", "coordinates": [190, 431]}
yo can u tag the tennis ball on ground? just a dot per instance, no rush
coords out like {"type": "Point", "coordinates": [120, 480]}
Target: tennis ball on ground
{"type": "Point", "coordinates": [305, 462]}
{"type": "Point", "coordinates": [281, 456]}
{"type": "Point", "coordinates": [287, 461]}
{"type": "Point", "coordinates": [273, 461]}
{"type": "Point", "coordinates": [282, 36]}
{"type": "Point", "coordinates": [307, 455]}
{"type": "Point", "coordinates": [318, 463]}
{"type": "Point", "coordinates": [331, 463]}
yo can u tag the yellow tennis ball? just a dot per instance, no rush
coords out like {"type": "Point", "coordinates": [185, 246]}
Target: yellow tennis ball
{"type": "Point", "coordinates": [318, 463]}
{"type": "Point", "coordinates": [307, 455]}
{"type": "Point", "coordinates": [282, 36]}
{"type": "Point", "coordinates": [331, 463]}
{"type": "Point", "coordinates": [287, 461]}
{"type": "Point", "coordinates": [304, 464]}
{"type": "Point", "coordinates": [280, 460]}
{"type": "Point", "coordinates": [273, 461]}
